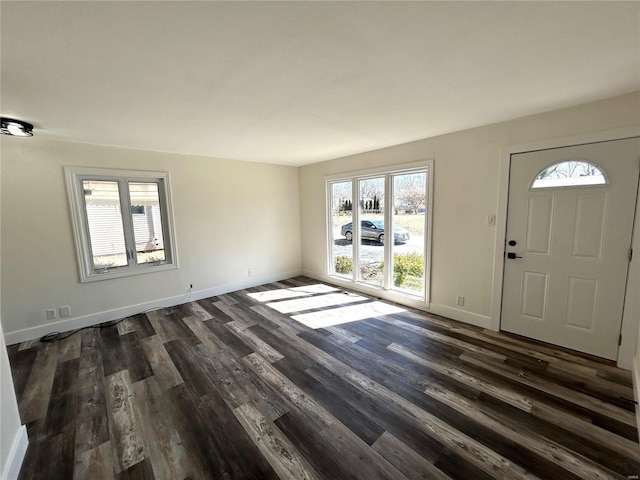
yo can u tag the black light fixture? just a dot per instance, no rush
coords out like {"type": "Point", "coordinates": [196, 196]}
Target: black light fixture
{"type": "Point", "coordinates": [17, 128]}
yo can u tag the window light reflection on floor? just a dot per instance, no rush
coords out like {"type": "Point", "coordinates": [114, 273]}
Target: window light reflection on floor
{"type": "Point", "coordinates": [282, 293]}
{"type": "Point", "coordinates": [331, 305]}
{"type": "Point", "coordinates": [352, 313]}
{"type": "Point", "coordinates": [319, 301]}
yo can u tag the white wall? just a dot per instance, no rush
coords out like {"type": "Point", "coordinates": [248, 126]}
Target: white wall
{"type": "Point", "coordinates": [229, 216]}
{"type": "Point", "coordinates": [466, 174]}
{"type": "Point", "coordinates": [13, 436]}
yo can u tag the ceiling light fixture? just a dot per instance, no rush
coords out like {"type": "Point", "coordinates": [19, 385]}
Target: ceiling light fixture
{"type": "Point", "coordinates": [17, 128]}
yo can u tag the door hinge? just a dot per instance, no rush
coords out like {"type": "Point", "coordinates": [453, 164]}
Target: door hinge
{"type": "Point", "coordinates": [630, 254]}
{"type": "Point", "coordinates": [620, 340]}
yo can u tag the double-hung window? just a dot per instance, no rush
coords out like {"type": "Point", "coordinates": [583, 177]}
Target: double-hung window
{"type": "Point", "coordinates": [122, 222]}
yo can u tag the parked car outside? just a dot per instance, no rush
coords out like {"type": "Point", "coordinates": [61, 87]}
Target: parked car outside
{"type": "Point", "coordinates": [374, 230]}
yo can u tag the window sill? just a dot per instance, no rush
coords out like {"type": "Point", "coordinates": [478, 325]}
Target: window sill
{"type": "Point", "coordinates": [125, 272]}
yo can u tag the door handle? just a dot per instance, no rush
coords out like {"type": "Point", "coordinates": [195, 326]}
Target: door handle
{"type": "Point", "coordinates": [512, 255]}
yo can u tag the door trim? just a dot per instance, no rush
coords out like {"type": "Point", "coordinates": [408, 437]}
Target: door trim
{"type": "Point", "coordinates": [631, 316]}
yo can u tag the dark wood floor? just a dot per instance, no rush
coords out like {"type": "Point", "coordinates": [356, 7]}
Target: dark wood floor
{"type": "Point", "coordinates": [228, 388]}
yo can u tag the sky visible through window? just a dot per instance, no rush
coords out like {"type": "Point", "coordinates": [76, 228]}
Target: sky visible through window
{"type": "Point", "coordinates": [569, 173]}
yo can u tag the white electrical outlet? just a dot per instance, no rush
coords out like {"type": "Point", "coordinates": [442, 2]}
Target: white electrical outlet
{"type": "Point", "coordinates": [460, 300]}
{"type": "Point", "coordinates": [491, 220]}
{"type": "Point", "coordinates": [250, 272]}
{"type": "Point", "coordinates": [51, 314]}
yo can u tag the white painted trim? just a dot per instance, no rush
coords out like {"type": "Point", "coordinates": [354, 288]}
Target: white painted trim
{"type": "Point", "coordinates": [464, 316]}
{"type": "Point", "coordinates": [15, 458]}
{"type": "Point", "coordinates": [629, 325]}
{"type": "Point", "coordinates": [631, 314]}
{"type": "Point", "coordinates": [428, 237]}
{"type": "Point", "coordinates": [118, 313]}
{"type": "Point", "coordinates": [393, 169]}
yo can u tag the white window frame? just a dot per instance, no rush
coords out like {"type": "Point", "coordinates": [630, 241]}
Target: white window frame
{"type": "Point", "coordinates": [74, 177]}
{"type": "Point", "coordinates": [388, 172]}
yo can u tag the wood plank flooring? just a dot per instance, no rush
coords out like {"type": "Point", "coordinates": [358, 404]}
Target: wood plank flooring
{"type": "Point", "coordinates": [230, 388]}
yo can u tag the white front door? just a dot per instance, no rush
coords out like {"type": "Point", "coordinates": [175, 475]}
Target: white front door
{"type": "Point", "coordinates": [568, 244]}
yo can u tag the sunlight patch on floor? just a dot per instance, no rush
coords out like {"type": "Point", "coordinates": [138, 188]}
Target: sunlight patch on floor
{"type": "Point", "coordinates": [318, 288]}
{"type": "Point", "coordinates": [319, 301]}
{"type": "Point", "coordinates": [351, 313]}
{"type": "Point", "coordinates": [331, 305]}
{"type": "Point", "coordinates": [272, 295]}
{"type": "Point", "coordinates": [282, 293]}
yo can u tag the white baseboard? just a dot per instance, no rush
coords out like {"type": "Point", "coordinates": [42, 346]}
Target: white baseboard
{"type": "Point", "coordinates": [11, 469]}
{"type": "Point", "coordinates": [463, 316]}
{"type": "Point", "coordinates": [115, 314]}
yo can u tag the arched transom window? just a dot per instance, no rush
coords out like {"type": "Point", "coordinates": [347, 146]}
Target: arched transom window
{"type": "Point", "coordinates": [570, 173]}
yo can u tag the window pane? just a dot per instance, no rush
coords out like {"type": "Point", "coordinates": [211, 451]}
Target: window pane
{"type": "Point", "coordinates": [372, 231]}
{"type": "Point", "coordinates": [147, 222]}
{"type": "Point", "coordinates": [341, 229]}
{"type": "Point", "coordinates": [104, 218]}
{"type": "Point", "coordinates": [408, 252]}
{"type": "Point", "coordinates": [569, 174]}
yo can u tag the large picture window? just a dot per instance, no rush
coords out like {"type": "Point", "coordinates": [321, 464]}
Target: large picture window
{"type": "Point", "coordinates": [122, 222]}
{"type": "Point", "coordinates": [378, 228]}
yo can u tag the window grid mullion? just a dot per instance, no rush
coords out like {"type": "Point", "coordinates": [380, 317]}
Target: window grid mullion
{"type": "Point", "coordinates": [389, 240]}
{"type": "Point", "coordinates": [127, 221]}
{"type": "Point", "coordinates": [355, 216]}
{"type": "Point", "coordinates": [88, 249]}
{"type": "Point", "coordinates": [164, 215]}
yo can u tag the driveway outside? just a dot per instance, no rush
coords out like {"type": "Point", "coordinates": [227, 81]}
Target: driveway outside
{"type": "Point", "coordinates": [372, 252]}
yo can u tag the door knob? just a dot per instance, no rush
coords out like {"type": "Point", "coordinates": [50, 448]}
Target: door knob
{"type": "Point", "coordinates": [513, 243]}
{"type": "Point", "coordinates": [512, 255]}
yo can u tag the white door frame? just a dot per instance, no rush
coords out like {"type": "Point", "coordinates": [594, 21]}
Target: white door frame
{"type": "Point", "coordinates": [631, 316]}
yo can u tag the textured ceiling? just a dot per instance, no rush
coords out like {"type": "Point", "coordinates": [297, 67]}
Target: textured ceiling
{"type": "Point", "coordinates": [299, 82]}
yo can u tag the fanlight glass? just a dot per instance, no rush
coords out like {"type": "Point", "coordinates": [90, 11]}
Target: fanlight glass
{"type": "Point", "coordinates": [570, 173]}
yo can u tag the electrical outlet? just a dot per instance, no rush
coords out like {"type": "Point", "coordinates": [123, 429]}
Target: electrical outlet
{"type": "Point", "coordinates": [460, 300]}
{"type": "Point", "coordinates": [64, 311]}
{"type": "Point", "coordinates": [51, 314]}
{"type": "Point", "coordinates": [491, 220]}
{"type": "Point", "coordinates": [250, 272]}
